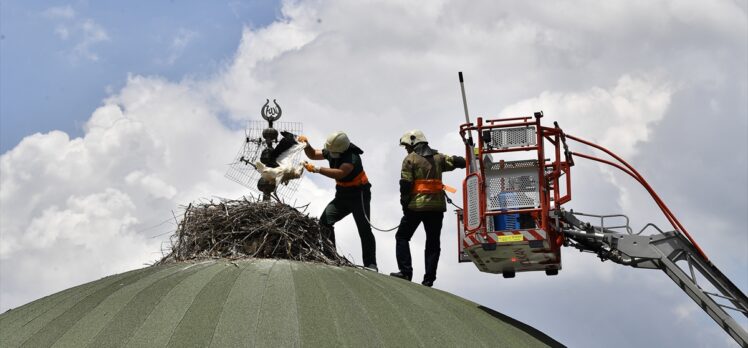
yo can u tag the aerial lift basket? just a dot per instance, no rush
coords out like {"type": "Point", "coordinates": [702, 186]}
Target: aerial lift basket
{"type": "Point", "coordinates": [504, 226]}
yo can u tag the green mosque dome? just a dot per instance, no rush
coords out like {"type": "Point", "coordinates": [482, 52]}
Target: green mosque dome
{"type": "Point", "coordinates": [259, 303]}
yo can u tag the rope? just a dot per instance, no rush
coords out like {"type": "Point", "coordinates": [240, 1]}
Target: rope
{"type": "Point", "coordinates": [367, 218]}
{"type": "Point", "coordinates": [450, 201]}
{"type": "Point", "coordinates": [398, 226]}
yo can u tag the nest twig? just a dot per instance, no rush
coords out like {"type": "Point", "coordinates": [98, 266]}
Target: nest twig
{"type": "Point", "coordinates": [236, 229]}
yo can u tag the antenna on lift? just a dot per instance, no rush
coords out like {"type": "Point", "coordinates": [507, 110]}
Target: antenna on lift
{"type": "Point", "coordinates": [471, 164]}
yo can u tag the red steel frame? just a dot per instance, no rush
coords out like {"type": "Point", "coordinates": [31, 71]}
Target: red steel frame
{"type": "Point", "coordinates": [548, 172]}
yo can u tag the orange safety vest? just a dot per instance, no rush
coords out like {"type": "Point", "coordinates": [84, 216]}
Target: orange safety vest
{"type": "Point", "coordinates": [430, 186]}
{"type": "Point", "coordinates": [359, 180]}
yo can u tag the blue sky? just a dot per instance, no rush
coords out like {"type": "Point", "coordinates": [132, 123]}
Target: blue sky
{"type": "Point", "coordinates": [112, 118]}
{"type": "Point", "coordinates": [48, 84]}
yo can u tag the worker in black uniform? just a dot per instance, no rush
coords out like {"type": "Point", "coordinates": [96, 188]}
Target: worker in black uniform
{"type": "Point", "coordinates": [352, 189]}
{"type": "Point", "coordinates": [423, 199]}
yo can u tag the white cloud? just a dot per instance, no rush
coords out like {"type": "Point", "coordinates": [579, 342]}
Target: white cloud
{"type": "Point", "coordinates": [65, 245]}
{"type": "Point", "coordinates": [151, 184]}
{"type": "Point", "coordinates": [178, 44]}
{"type": "Point", "coordinates": [85, 32]}
{"type": "Point", "coordinates": [65, 12]}
{"type": "Point", "coordinates": [62, 32]}
{"type": "Point", "coordinates": [92, 33]}
{"type": "Point", "coordinates": [617, 119]}
{"type": "Point", "coordinates": [102, 192]}
{"type": "Point", "coordinates": [109, 212]}
{"type": "Point", "coordinates": [624, 74]}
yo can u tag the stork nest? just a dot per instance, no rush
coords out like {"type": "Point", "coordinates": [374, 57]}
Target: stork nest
{"type": "Point", "coordinates": [237, 229]}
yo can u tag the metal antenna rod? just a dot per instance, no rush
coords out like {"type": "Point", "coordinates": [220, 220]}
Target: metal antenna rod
{"type": "Point", "coordinates": [472, 164]}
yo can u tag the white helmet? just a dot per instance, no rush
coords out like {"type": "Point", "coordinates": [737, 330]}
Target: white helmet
{"type": "Point", "coordinates": [337, 142]}
{"type": "Point", "coordinates": [413, 137]}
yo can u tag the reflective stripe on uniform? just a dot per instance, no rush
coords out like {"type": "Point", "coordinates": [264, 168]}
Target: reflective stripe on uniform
{"type": "Point", "coordinates": [359, 180]}
{"type": "Point", "coordinates": [430, 186]}
{"type": "Point", "coordinates": [427, 186]}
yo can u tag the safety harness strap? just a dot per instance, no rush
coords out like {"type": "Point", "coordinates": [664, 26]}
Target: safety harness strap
{"type": "Point", "coordinates": [359, 180]}
{"type": "Point", "coordinates": [430, 186]}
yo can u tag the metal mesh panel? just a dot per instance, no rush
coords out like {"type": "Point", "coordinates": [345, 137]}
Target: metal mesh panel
{"type": "Point", "coordinates": [472, 208]}
{"type": "Point", "coordinates": [252, 145]}
{"type": "Point", "coordinates": [511, 192]}
{"type": "Point", "coordinates": [512, 165]}
{"type": "Point", "coordinates": [513, 137]}
{"type": "Point", "coordinates": [513, 186]}
{"type": "Point", "coordinates": [462, 256]}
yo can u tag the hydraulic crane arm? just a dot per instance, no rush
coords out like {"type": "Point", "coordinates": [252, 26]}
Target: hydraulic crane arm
{"type": "Point", "coordinates": [500, 195]}
{"type": "Point", "coordinates": [662, 251]}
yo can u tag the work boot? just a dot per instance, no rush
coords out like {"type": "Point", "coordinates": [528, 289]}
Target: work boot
{"type": "Point", "coordinates": [372, 267]}
{"type": "Point", "coordinates": [401, 275]}
{"type": "Point", "coordinates": [428, 283]}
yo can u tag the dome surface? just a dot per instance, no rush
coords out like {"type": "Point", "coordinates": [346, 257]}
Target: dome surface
{"type": "Point", "coordinates": [259, 302]}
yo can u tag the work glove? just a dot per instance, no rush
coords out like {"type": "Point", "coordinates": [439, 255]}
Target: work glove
{"type": "Point", "coordinates": [303, 139]}
{"type": "Point", "coordinates": [311, 168]}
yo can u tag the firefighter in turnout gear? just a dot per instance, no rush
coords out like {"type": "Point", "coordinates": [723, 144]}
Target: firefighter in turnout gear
{"type": "Point", "coordinates": [352, 189]}
{"type": "Point", "coordinates": [423, 199]}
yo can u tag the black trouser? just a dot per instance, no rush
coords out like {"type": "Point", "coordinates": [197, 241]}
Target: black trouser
{"type": "Point", "coordinates": [346, 204]}
{"type": "Point", "coordinates": [432, 223]}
